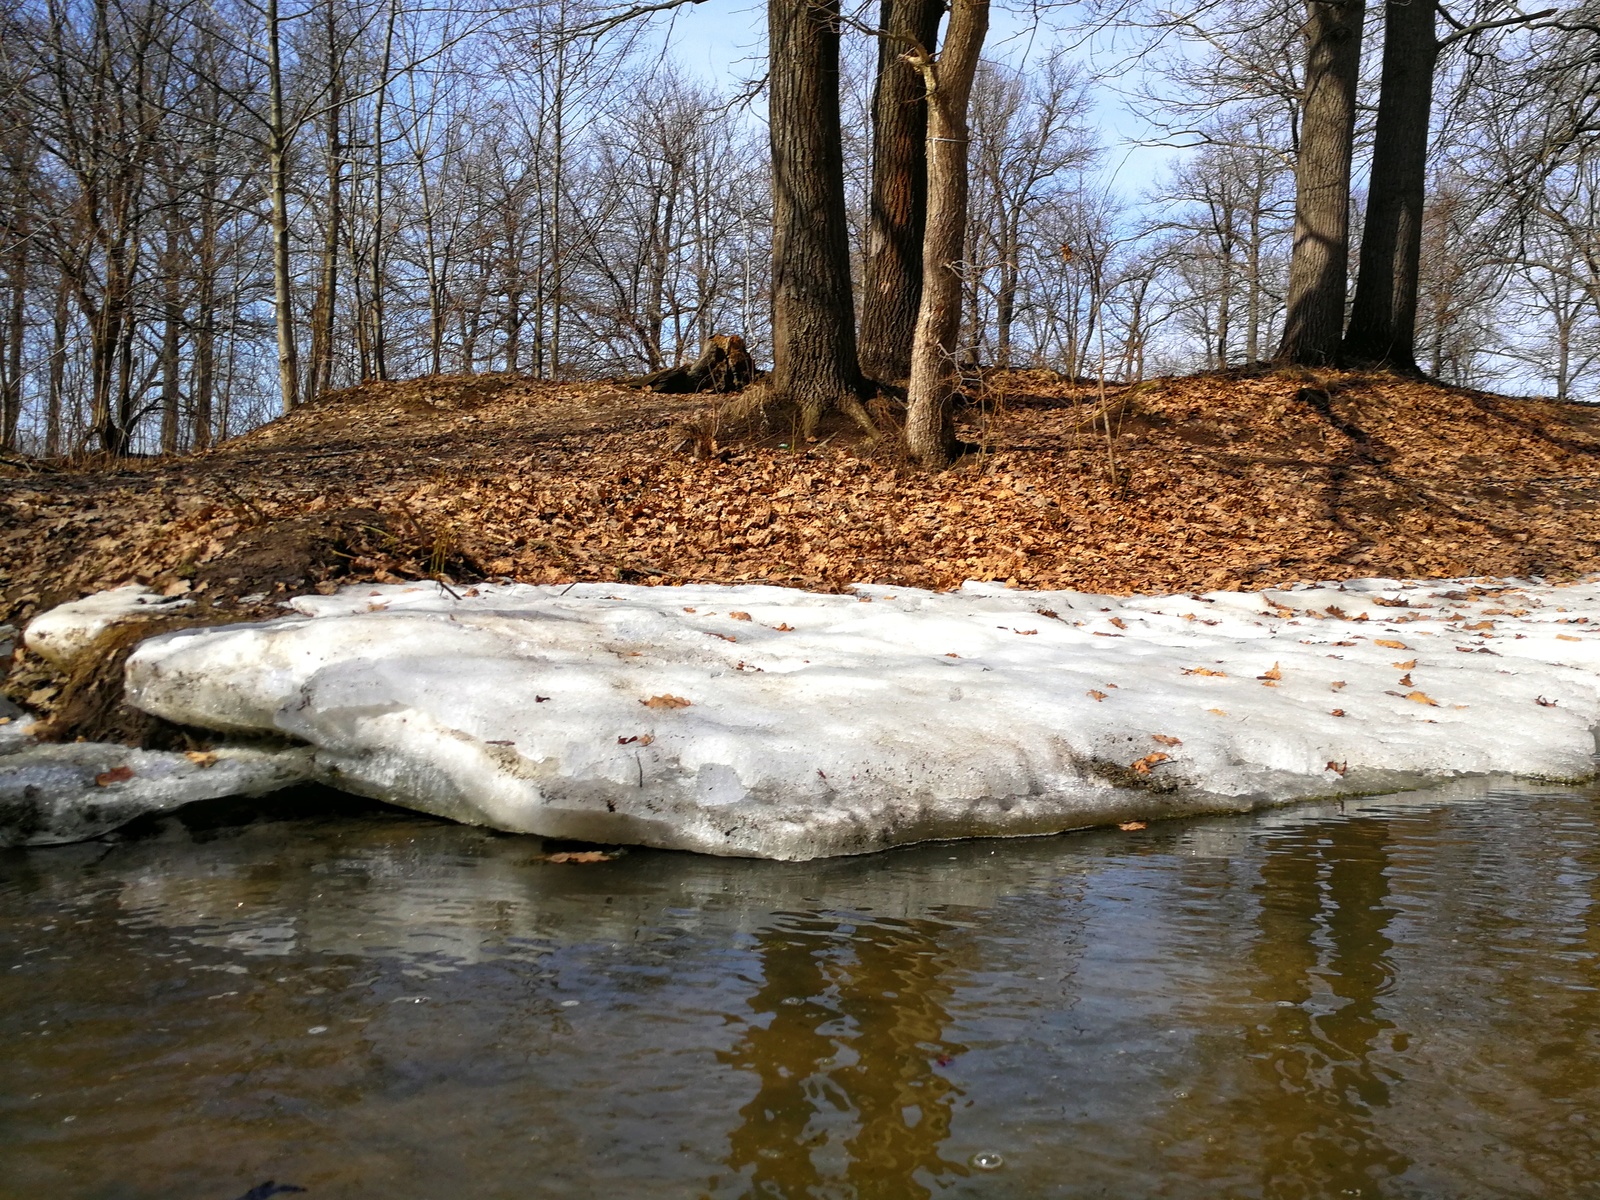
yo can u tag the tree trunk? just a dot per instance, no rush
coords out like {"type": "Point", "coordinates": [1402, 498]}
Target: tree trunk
{"type": "Point", "coordinates": [58, 369]}
{"type": "Point", "coordinates": [380, 364]}
{"type": "Point", "coordinates": [1318, 265]}
{"type": "Point", "coordinates": [1383, 319]}
{"type": "Point", "coordinates": [278, 183]}
{"type": "Point", "coordinates": [892, 287]}
{"type": "Point", "coordinates": [813, 311]}
{"type": "Point", "coordinates": [930, 435]}
{"type": "Point", "coordinates": [324, 308]}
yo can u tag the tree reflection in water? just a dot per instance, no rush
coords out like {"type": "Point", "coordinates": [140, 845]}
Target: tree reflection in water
{"type": "Point", "coordinates": [853, 1100]}
{"type": "Point", "coordinates": [1300, 1122]}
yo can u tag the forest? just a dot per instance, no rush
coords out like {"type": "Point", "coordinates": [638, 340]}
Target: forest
{"type": "Point", "coordinates": [211, 213]}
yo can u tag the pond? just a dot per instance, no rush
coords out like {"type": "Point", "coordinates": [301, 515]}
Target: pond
{"type": "Point", "coordinates": [1393, 997]}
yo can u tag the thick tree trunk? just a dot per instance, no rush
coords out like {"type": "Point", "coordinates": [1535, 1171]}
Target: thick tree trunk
{"type": "Point", "coordinates": [892, 286]}
{"type": "Point", "coordinates": [930, 436]}
{"type": "Point", "coordinates": [813, 311]}
{"type": "Point", "coordinates": [324, 308]}
{"type": "Point", "coordinates": [1383, 318]}
{"type": "Point", "coordinates": [1318, 266]}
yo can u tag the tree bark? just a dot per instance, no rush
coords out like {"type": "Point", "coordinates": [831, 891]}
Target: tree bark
{"type": "Point", "coordinates": [278, 183]}
{"type": "Point", "coordinates": [813, 310]}
{"type": "Point", "coordinates": [1383, 318]}
{"type": "Point", "coordinates": [892, 286]}
{"type": "Point", "coordinates": [1318, 265]}
{"type": "Point", "coordinates": [930, 434]}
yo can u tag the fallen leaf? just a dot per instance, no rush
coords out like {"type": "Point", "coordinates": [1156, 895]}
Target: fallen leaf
{"type": "Point", "coordinates": [1142, 766]}
{"type": "Point", "coordinates": [951, 654]}
{"type": "Point", "coordinates": [1272, 677]}
{"type": "Point", "coordinates": [1097, 695]}
{"type": "Point", "coordinates": [687, 609]}
{"type": "Point", "coordinates": [1480, 625]}
{"type": "Point", "coordinates": [1165, 740]}
{"type": "Point", "coordinates": [1119, 622]}
{"type": "Point", "coordinates": [1338, 685]}
{"type": "Point", "coordinates": [1405, 680]}
{"type": "Point", "coordinates": [1205, 671]}
{"type": "Point", "coordinates": [644, 739]}
{"type": "Point", "coordinates": [1567, 637]}
{"type": "Point", "coordinates": [1338, 712]}
{"type": "Point", "coordinates": [1221, 712]}
{"type": "Point", "coordinates": [727, 637]}
{"type": "Point", "coordinates": [1132, 826]}
{"type": "Point", "coordinates": [1025, 632]}
{"type": "Point", "coordinates": [1543, 703]}
{"type": "Point", "coordinates": [579, 856]}
{"type": "Point", "coordinates": [1048, 612]}
{"type": "Point", "coordinates": [1422, 698]}
{"type": "Point", "coordinates": [1336, 768]}
{"type": "Point", "coordinates": [1390, 643]}
{"type": "Point", "coordinates": [665, 701]}
{"type": "Point", "coordinates": [201, 758]}
{"type": "Point", "coordinates": [784, 627]}
{"type": "Point", "coordinates": [1404, 666]}
{"type": "Point", "coordinates": [540, 699]}
{"type": "Point", "coordinates": [115, 775]}
{"type": "Point", "coordinates": [740, 616]}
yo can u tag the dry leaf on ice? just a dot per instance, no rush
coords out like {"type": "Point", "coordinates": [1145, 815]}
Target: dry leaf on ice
{"type": "Point", "coordinates": [1143, 765]}
{"type": "Point", "coordinates": [579, 856]}
{"type": "Point", "coordinates": [201, 758]}
{"type": "Point", "coordinates": [1205, 671]}
{"type": "Point", "coordinates": [115, 775]}
{"type": "Point", "coordinates": [1404, 666]}
{"type": "Point", "coordinates": [1390, 643]}
{"type": "Point", "coordinates": [740, 616]}
{"type": "Point", "coordinates": [1166, 740]}
{"type": "Point", "coordinates": [1422, 698]}
{"type": "Point", "coordinates": [1097, 695]}
{"type": "Point", "coordinates": [666, 701]}
{"type": "Point", "coordinates": [1130, 826]}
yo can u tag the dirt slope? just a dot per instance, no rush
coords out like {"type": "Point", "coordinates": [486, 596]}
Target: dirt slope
{"type": "Point", "coordinates": [1242, 479]}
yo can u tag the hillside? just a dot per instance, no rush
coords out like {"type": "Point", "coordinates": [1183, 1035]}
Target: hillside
{"type": "Point", "coordinates": [1222, 481]}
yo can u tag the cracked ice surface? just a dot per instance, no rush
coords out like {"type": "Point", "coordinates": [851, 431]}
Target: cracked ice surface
{"type": "Point", "coordinates": [839, 724]}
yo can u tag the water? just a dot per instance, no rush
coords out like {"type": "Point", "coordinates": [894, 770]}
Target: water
{"type": "Point", "coordinates": [1400, 998]}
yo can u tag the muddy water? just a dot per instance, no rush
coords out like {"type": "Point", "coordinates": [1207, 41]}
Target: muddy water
{"type": "Point", "coordinates": [1398, 998]}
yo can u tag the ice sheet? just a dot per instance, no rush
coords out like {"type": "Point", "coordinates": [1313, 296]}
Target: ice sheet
{"type": "Point", "coordinates": [837, 724]}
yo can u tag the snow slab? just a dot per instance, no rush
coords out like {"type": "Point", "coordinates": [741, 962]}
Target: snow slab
{"type": "Point", "coordinates": [65, 633]}
{"type": "Point", "coordinates": [66, 793]}
{"type": "Point", "coordinates": [775, 723]}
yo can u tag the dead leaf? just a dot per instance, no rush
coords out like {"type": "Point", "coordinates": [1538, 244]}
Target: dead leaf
{"type": "Point", "coordinates": [1097, 695]}
{"type": "Point", "coordinates": [1338, 685]}
{"type": "Point", "coordinates": [1421, 698]}
{"type": "Point", "coordinates": [740, 616]}
{"type": "Point", "coordinates": [579, 856]}
{"type": "Point", "coordinates": [1205, 671]}
{"type": "Point", "coordinates": [1390, 643]}
{"type": "Point", "coordinates": [1543, 703]}
{"type": "Point", "coordinates": [1404, 666]}
{"type": "Point", "coordinates": [1119, 622]}
{"type": "Point", "coordinates": [201, 758]}
{"type": "Point", "coordinates": [1338, 712]}
{"type": "Point", "coordinates": [784, 627]}
{"type": "Point", "coordinates": [1132, 826]}
{"type": "Point", "coordinates": [1336, 768]}
{"type": "Point", "coordinates": [644, 739]}
{"type": "Point", "coordinates": [1272, 677]}
{"type": "Point", "coordinates": [1221, 712]}
{"type": "Point", "coordinates": [665, 701]}
{"type": "Point", "coordinates": [1142, 766]}
{"type": "Point", "coordinates": [1165, 740]}
{"type": "Point", "coordinates": [1567, 637]}
{"type": "Point", "coordinates": [1405, 680]}
{"type": "Point", "coordinates": [115, 775]}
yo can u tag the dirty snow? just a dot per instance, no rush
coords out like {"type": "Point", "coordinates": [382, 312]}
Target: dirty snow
{"type": "Point", "coordinates": [65, 633]}
{"type": "Point", "coordinates": [65, 793]}
{"type": "Point", "coordinates": [837, 724]}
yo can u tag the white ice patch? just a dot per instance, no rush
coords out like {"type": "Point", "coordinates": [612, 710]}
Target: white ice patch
{"type": "Point", "coordinates": [65, 793]}
{"type": "Point", "coordinates": [65, 633]}
{"type": "Point", "coordinates": [828, 724]}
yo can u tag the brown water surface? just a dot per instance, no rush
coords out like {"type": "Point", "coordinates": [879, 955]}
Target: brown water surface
{"type": "Point", "coordinates": [1394, 998]}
